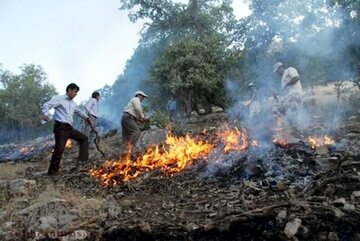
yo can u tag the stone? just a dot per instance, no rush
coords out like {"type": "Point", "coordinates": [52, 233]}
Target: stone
{"type": "Point", "coordinates": [355, 194]}
{"type": "Point", "coordinates": [66, 219]}
{"type": "Point", "coordinates": [149, 138]}
{"type": "Point", "coordinates": [19, 187]}
{"type": "Point", "coordinates": [292, 227]}
{"type": "Point", "coordinates": [281, 216]}
{"type": "Point", "coordinates": [47, 223]}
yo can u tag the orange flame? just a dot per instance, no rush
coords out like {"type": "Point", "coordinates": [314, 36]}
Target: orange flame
{"type": "Point", "coordinates": [68, 144]}
{"type": "Point", "coordinates": [25, 150]}
{"type": "Point", "coordinates": [233, 140]}
{"type": "Point", "coordinates": [280, 141]}
{"type": "Point", "coordinates": [177, 153]}
{"type": "Point", "coordinates": [315, 142]}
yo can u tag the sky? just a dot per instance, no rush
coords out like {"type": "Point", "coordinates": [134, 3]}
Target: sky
{"type": "Point", "coordinates": [86, 42]}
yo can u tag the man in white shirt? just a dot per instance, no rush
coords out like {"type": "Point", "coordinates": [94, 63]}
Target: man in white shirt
{"type": "Point", "coordinates": [291, 87]}
{"type": "Point", "coordinates": [132, 114]}
{"type": "Point", "coordinates": [91, 108]}
{"type": "Point", "coordinates": [65, 107]}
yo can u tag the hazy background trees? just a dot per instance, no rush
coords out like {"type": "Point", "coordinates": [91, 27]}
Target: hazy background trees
{"type": "Point", "coordinates": [21, 97]}
{"type": "Point", "coordinates": [200, 53]}
{"type": "Point", "coordinates": [193, 49]}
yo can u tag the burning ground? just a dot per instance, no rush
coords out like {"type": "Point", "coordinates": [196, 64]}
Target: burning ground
{"type": "Point", "coordinates": [203, 180]}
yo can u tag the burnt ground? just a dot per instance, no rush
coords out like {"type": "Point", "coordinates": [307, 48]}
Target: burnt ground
{"type": "Point", "coordinates": [267, 192]}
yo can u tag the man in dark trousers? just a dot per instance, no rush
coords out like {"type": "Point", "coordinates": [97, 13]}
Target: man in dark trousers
{"type": "Point", "coordinates": [91, 108]}
{"type": "Point", "coordinates": [133, 113]}
{"type": "Point", "coordinates": [65, 107]}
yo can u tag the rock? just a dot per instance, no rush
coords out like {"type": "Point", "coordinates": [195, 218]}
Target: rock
{"type": "Point", "coordinates": [281, 216]}
{"type": "Point", "coordinates": [340, 202]}
{"type": "Point", "coordinates": [47, 223]}
{"type": "Point", "coordinates": [338, 213]}
{"type": "Point", "coordinates": [292, 227]}
{"type": "Point", "coordinates": [348, 207]}
{"type": "Point", "coordinates": [355, 194]}
{"type": "Point", "coordinates": [66, 219]}
{"type": "Point", "coordinates": [149, 138]}
{"type": "Point", "coordinates": [192, 226]}
{"type": "Point", "coordinates": [332, 236]}
{"type": "Point", "coordinates": [19, 187]}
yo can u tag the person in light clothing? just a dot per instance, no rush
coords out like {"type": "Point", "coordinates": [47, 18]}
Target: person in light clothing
{"type": "Point", "coordinates": [65, 108]}
{"type": "Point", "coordinates": [253, 102]}
{"type": "Point", "coordinates": [91, 108]}
{"type": "Point", "coordinates": [132, 114]}
{"type": "Point", "coordinates": [291, 86]}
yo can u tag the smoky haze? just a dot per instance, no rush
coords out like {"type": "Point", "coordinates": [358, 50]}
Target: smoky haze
{"type": "Point", "coordinates": [313, 46]}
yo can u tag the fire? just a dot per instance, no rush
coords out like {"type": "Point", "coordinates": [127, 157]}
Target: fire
{"type": "Point", "coordinates": [68, 144]}
{"type": "Point", "coordinates": [25, 150]}
{"type": "Point", "coordinates": [233, 140]}
{"type": "Point", "coordinates": [173, 157]}
{"type": "Point", "coordinates": [280, 141]}
{"type": "Point", "coordinates": [315, 142]}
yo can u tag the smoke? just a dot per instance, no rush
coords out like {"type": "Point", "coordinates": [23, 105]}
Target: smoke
{"type": "Point", "coordinates": [306, 36]}
{"type": "Point", "coordinates": [134, 78]}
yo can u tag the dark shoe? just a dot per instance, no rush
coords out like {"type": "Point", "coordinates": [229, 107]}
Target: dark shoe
{"type": "Point", "coordinates": [54, 176]}
{"type": "Point", "coordinates": [52, 173]}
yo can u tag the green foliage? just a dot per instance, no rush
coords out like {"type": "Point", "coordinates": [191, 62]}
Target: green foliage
{"type": "Point", "coordinates": [21, 99]}
{"type": "Point", "coordinates": [189, 50]}
{"type": "Point", "coordinates": [193, 70]}
{"type": "Point", "coordinates": [160, 119]}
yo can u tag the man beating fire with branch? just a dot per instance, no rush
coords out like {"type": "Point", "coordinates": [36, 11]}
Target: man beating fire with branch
{"type": "Point", "coordinates": [292, 91]}
{"type": "Point", "coordinates": [133, 113]}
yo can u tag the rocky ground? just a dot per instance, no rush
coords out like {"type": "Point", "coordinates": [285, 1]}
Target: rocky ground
{"type": "Point", "coordinates": [269, 191]}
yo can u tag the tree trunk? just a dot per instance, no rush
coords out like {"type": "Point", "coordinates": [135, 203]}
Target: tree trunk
{"type": "Point", "coordinates": [207, 107]}
{"type": "Point", "coordinates": [187, 100]}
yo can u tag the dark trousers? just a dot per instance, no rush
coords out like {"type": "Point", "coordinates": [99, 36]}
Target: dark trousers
{"type": "Point", "coordinates": [172, 114]}
{"type": "Point", "coordinates": [63, 132]}
{"type": "Point", "coordinates": [129, 129]}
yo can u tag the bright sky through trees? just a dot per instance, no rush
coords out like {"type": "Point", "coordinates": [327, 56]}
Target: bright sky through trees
{"type": "Point", "coordinates": [84, 41]}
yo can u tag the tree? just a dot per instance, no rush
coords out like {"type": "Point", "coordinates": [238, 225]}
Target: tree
{"type": "Point", "coordinates": [21, 99]}
{"type": "Point", "coordinates": [194, 72]}
{"type": "Point", "coordinates": [349, 33]}
{"type": "Point", "coordinates": [199, 34]}
{"type": "Point", "coordinates": [302, 34]}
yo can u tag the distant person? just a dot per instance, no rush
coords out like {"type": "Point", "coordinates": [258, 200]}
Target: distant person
{"type": "Point", "coordinates": [65, 107]}
{"type": "Point", "coordinates": [132, 114]}
{"type": "Point", "coordinates": [172, 108]}
{"type": "Point", "coordinates": [292, 90]}
{"type": "Point", "coordinates": [253, 101]}
{"type": "Point", "coordinates": [91, 108]}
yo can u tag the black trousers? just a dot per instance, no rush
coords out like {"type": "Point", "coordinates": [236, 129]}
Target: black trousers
{"type": "Point", "coordinates": [63, 132]}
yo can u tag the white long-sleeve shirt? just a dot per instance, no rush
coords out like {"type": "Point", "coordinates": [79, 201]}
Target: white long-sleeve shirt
{"type": "Point", "coordinates": [92, 107]}
{"type": "Point", "coordinates": [64, 109]}
{"type": "Point", "coordinates": [134, 108]}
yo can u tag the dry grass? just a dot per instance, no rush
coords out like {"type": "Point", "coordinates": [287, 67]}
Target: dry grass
{"type": "Point", "coordinates": [13, 170]}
